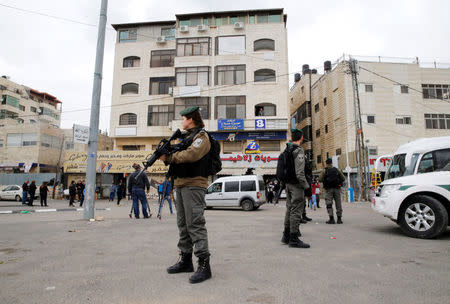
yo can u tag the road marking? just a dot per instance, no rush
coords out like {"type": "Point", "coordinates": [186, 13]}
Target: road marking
{"type": "Point", "coordinates": [45, 210]}
{"type": "Point", "coordinates": [6, 212]}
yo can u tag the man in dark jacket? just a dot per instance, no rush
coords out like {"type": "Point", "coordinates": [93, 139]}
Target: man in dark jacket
{"type": "Point", "coordinates": [72, 193]}
{"type": "Point", "coordinates": [136, 186]}
{"type": "Point", "coordinates": [24, 192]}
{"type": "Point", "coordinates": [32, 192]}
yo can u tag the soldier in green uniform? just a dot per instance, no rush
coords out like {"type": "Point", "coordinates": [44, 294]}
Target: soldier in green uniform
{"type": "Point", "coordinates": [332, 179]}
{"type": "Point", "coordinates": [190, 169]}
{"type": "Point", "coordinates": [295, 194]}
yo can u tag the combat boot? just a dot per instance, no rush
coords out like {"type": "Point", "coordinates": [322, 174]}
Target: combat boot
{"type": "Point", "coordinates": [331, 220]}
{"type": "Point", "coordinates": [183, 265]}
{"type": "Point", "coordinates": [339, 220]}
{"type": "Point", "coordinates": [308, 219]}
{"type": "Point", "coordinates": [203, 271]}
{"type": "Point", "coordinates": [285, 238]}
{"type": "Point", "coordinates": [295, 242]}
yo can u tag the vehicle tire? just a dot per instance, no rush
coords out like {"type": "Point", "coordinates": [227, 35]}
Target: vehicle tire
{"type": "Point", "coordinates": [423, 216]}
{"type": "Point", "coordinates": [18, 198]}
{"type": "Point", "coordinates": [247, 205]}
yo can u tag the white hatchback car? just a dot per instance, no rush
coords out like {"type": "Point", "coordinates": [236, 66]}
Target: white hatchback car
{"type": "Point", "coordinates": [416, 191]}
{"type": "Point", "coordinates": [246, 191]}
{"type": "Point", "coordinates": [11, 193]}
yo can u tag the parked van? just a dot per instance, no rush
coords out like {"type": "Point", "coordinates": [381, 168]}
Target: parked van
{"type": "Point", "coordinates": [245, 191]}
{"type": "Point", "coordinates": [416, 189]}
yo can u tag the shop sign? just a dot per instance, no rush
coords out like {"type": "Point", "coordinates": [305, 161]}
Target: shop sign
{"type": "Point", "coordinates": [240, 160]}
{"type": "Point", "coordinates": [230, 124]}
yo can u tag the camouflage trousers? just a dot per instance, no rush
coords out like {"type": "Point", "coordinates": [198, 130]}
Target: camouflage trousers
{"type": "Point", "coordinates": [295, 206]}
{"type": "Point", "coordinates": [333, 194]}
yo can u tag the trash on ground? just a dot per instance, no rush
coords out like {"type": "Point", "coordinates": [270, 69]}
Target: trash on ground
{"type": "Point", "coordinates": [332, 237]}
{"type": "Point", "coordinates": [24, 212]}
{"type": "Point", "coordinates": [50, 288]}
{"type": "Point", "coordinates": [100, 218]}
{"type": "Point", "coordinates": [91, 220]}
{"type": "Point", "coordinates": [72, 230]}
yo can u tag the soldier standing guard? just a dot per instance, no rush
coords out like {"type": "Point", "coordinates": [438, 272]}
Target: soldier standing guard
{"type": "Point", "coordinates": [190, 167]}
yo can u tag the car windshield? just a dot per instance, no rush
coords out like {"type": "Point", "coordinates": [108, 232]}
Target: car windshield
{"type": "Point", "coordinates": [398, 167]}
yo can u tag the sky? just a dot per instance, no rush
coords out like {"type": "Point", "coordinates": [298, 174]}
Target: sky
{"type": "Point", "coordinates": [57, 56]}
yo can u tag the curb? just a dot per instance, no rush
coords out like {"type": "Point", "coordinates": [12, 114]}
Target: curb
{"type": "Point", "coordinates": [48, 210]}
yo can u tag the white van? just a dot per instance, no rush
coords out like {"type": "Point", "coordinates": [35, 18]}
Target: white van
{"type": "Point", "coordinates": [416, 189]}
{"type": "Point", "coordinates": [245, 191]}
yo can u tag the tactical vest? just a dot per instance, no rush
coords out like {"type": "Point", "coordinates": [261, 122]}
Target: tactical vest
{"type": "Point", "coordinates": [198, 168]}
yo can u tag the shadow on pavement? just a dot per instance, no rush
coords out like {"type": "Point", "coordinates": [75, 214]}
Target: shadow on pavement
{"type": "Point", "coordinates": [395, 230]}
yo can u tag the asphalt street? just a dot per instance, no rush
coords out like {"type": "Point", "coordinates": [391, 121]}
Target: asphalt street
{"type": "Point", "coordinates": [57, 257]}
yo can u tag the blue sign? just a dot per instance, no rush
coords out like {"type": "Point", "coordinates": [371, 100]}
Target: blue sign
{"type": "Point", "coordinates": [252, 148]}
{"type": "Point", "coordinates": [230, 124]}
{"type": "Point", "coordinates": [258, 135]}
{"type": "Point", "coordinates": [260, 123]}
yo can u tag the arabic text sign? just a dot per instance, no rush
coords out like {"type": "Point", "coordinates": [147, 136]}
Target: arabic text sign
{"type": "Point", "coordinates": [80, 134]}
{"type": "Point", "coordinates": [240, 160]}
{"type": "Point", "coordinates": [230, 124]}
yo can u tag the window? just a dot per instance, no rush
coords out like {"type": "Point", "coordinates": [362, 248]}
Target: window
{"type": "Point", "coordinates": [234, 19]}
{"type": "Point", "coordinates": [230, 74]}
{"type": "Point", "coordinates": [131, 148]}
{"type": "Point", "coordinates": [231, 186]}
{"type": "Point", "coordinates": [265, 75]}
{"type": "Point", "coordinates": [436, 91]}
{"type": "Point", "coordinates": [338, 151]}
{"type": "Point", "coordinates": [50, 141]}
{"type": "Point", "coordinates": [403, 120]}
{"type": "Point", "coordinates": [33, 109]}
{"type": "Point", "coordinates": [193, 46]}
{"type": "Point", "coordinates": [169, 33]}
{"type": "Point", "coordinates": [437, 121]}
{"type": "Point", "coordinates": [251, 19]}
{"type": "Point", "coordinates": [324, 101]}
{"type": "Point", "coordinates": [269, 145]}
{"type": "Point", "coordinates": [185, 22]}
{"type": "Point", "coordinates": [319, 159]}
{"type": "Point", "coordinates": [404, 89]}
{"type": "Point", "coordinates": [9, 100]}
{"type": "Point", "coordinates": [316, 108]}
{"type": "Point", "coordinates": [262, 18]}
{"type": "Point", "coordinates": [326, 129]}
{"type": "Point", "coordinates": [215, 188]}
{"type": "Point", "coordinates": [161, 85]}
{"type": "Point", "coordinates": [372, 150]}
{"type": "Point", "coordinates": [69, 145]}
{"type": "Point", "coordinates": [14, 140]}
{"type": "Point", "coordinates": [442, 160]}
{"type": "Point", "coordinates": [128, 35]}
{"type": "Point", "coordinates": [369, 87]}
{"type": "Point", "coordinates": [426, 164]}
{"type": "Point", "coordinates": [21, 140]}
{"type": "Point", "coordinates": [162, 58]}
{"type": "Point", "coordinates": [232, 146]}
{"type": "Point", "coordinates": [128, 119]}
{"type": "Point", "coordinates": [303, 112]}
{"type": "Point", "coordinates": [317, 133]}
{"type": "Point", "coordinates": [4, 114]}
{"type": "Point", "coordinates": [183, 103]}
{"type": "Point", "coordinates": [230, 107]}
{"type": "Point", "coordinates": [21, 108]}
{"type": "Point", "coordinates": [274, 18]}
{"type": "Point", "coordinates": [160, 115]}
{"type": "Point", "coordinates": [371, 119]}
{"type": "Point", "coordinates": [265, 109]}
{"type": "Point", "coordinates": [207, 21]}
{"type": "Point", "coordinates": [248, 186]}
{"type": "Point", "coordinates": [221, 20]}
{"type": "Point", "coordinates": [32, 121]}
{"type": "Point", "coordinates": [194, 76]}
{"type": "Point", "coordinates": [228, 45]}
{"type": "Point", "coordinates": [131, 62]}
{"type": "Point", "coordinates": [264, 44]}
{"type": "Point", "coordinates": [130, 88]}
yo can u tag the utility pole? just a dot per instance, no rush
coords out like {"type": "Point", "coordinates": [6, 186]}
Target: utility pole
{"type": "Point", "coordinates": [88, 212]}
{"type": "Point", "coordinates": [358, 129]}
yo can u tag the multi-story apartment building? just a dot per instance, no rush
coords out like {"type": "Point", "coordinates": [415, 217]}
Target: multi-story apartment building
{"type": "Point", "coordinates": [399, 102]}
{"type": "Point", "coordinates": [30, 138]}
{"type": "Point", "coordinates": [234, 65]}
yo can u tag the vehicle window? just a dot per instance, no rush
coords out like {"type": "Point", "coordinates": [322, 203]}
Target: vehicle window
{"type": "Point", "coordinates": [397, 167]}
{"type": "Point", "coordinates": [412, 165]}
{"type": "Point", "coordinates": [15, 188]}
{"type": "Point", "coordinates": [232, 187]}
{"type": "Point", "coordinates": [248, 186]}
{"type": "Point", "coordinates": [216, 187]}
{"type": "Point", "coordinates": [7, 188]}
{"type": "Point", "coordinates": [262, 185]}
{"type": "Point", "coordinates": [426, 164]}
{"type": "Point", "coordinates": [442, 160]}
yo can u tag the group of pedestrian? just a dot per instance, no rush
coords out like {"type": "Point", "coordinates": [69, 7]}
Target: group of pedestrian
{"type": "Point", "coordinates": [272, 191]}
{"type": "Point", "coordinates": [119, 190]}
{"type": "Point", "coordinates": [29, 193]}
{"type": "Point", "coordinates": [76, 189]}
{"type": "Point", "coordinates": [300, 184]}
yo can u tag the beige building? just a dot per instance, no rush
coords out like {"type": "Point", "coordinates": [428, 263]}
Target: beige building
{"type": "Point", "coordinates": [30, 138]}
{"type": "Point", "coordinates": [234, 65]}
{"type": "Point", "coordinates": [399, 102]}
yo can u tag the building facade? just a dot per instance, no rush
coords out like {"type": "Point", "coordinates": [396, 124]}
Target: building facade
{"type": "Point", "coordinates": [233, 65]}
{"type": "Point", "coordinates": [399, 102]}
{"type": "Point", "coordinates": [30, 137]}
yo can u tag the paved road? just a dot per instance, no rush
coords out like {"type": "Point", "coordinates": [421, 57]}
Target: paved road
{"type": "Point", "coordinates": [120, 260]}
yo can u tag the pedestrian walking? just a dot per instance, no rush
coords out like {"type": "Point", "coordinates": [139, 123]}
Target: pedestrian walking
{"type": "Point", "coordinates": [315, 192]}
{"type": "Point", "coordinates": [160, 192]}
{"type": "Point", "coordinates": [332, 179]}
{"type": "Point", "coordinates": [81, 193]}
{"type": "Point", "coordinates": [276, 189]}
{"type": "Point", "coordinates": [270, 193]}
{"type": "Point", "coordinates": [112, 192]}
{"type": "Point", "coordinates": [43, 191]}
{"type": "Point", "coordinates": [32, 192]}
{"type": "Point", "coordinates": [120, 192]}
{"type": "Point", "coordinates": [191, 171]}
{"type": "Point", "coordinates": [72, 193]}
{"type": "Point", "coordinates": [291, 170]}
{"type": "Point", "coordinates": [25, 192]}
{"type": "Point", "coordinates": [166, 196]}
{"type": "Point", "coordinates": [136, 186]}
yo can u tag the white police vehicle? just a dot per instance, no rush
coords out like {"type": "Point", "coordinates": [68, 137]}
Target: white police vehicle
{"type": "Point", "coordinates": [416, 190]}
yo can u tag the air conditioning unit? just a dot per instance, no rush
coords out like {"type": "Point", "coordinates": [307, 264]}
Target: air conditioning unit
{"type": "Point", "coordinates": [170, 91]}
{"type": "Point", "coordinates": [239, 25]}
{"type": "Point", "coordinates": [161, 39]}
{"type": "Point", "coordinates": [184, 29]}
{"type": "Point", "coordinates": [202, 28]}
